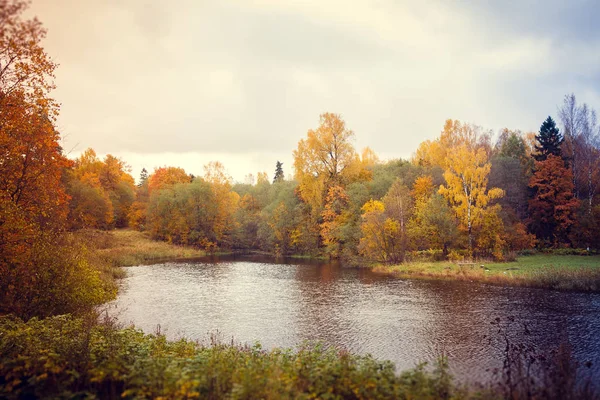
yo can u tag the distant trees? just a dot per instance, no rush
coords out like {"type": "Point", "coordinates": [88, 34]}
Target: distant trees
{"type": "Point", "coordinates": [461, 196]}
{"type": "Point", "coordinates": [102, 192]}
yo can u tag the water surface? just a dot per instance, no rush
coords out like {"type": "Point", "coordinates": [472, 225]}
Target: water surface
{"type": "Point", "coordinates": [405, 321]}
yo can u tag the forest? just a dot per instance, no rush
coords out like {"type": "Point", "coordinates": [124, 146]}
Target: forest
{"type": "Point", "coordinates": [468, 193]}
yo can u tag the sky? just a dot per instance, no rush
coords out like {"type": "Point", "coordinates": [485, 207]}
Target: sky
{"type": "Point", "coordinates": [186, 82]}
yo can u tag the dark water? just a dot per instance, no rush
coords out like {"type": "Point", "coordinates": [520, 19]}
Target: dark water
{"type": "Point", "coordinates": [405, 321]}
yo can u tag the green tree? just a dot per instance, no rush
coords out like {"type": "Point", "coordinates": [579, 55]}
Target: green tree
{"type": "Point", "coordinates": [434, 225]}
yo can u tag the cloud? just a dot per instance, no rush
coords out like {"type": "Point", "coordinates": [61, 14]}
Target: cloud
{"type": "Point", "coordinates": [235, 78]}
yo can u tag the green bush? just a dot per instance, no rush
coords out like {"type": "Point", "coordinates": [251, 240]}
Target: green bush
{"type": "Point", "coordinates": [59, 275]}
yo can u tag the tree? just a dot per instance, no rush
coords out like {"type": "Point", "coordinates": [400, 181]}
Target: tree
{"type": "Point", "coordinates": [143, 177]}
{"type": "Point", "coordinates": [434, 225]}
{"type": "Point", "coordinates": [43, 271]}
{"type": "Point", "coordinates": [380, 233]}
{"type": "Point", "coordinates": [549, 140]}
{"type": "Point", "coordinates": [166, 177]}
{"type": "Point", "coordinates": [553, 206]}
{"type": "Point", "coordinates": [324, 159]}
{"type": "Point", "coordinates": [333, 218]}
{"type": "Point", "coordinates": [399, 207]}
{"type": "Point", "coordinates": [32, 198]}
{"type": "Point", "coordinates": [26, 71]}
{"type": "Point", "coordinates": [278, 172]}
{"type": "Point", "coordinates": [454, 134]}
{"type": "Point", "coordinates": [466, 187]}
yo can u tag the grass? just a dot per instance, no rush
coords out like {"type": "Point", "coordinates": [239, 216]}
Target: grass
{"type": "Point", "coordinates": [578, 273]}
{"type": "Point", "coordinates": [128, 247]}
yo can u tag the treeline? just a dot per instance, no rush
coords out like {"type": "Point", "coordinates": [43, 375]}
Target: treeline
{"type": "Point", "coordinates": [462, 195]}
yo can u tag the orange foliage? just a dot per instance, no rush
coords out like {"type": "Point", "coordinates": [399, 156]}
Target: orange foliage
{"type": "Point", "coordinates": [553, 208]}
{"type": "Point", "coordinates": [165, 177]}
{"type": "Point", "coordinates": [423, 188]}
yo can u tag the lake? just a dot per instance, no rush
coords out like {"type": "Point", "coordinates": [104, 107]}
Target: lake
{"type": "Point", "coordinates": [286, 303]}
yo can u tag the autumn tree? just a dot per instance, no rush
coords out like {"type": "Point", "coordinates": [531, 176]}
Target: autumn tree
{"type": "Point", "coordinates": [380, 234]}
{"type": "Point", "coordinates": [334, 216]}
{"type": "Point", "coordinates": [165, 177]}
{"type": "Point", "coordinates": [454, 134]}
{"type": "Point", "coordinates": [553, 206]}
{"type": "Point", "coordinates": [32, 199]}
{"type": "Point", "coordinates": [466, 187]}
{"type": "Point", "coordinates": [102, 192]}
{"type": "Point", "coordinates": [399, 208]}
{"type": "Point", "coordinates": [42, 272]}
{"type": "Point", "coordinates": [324, 159]}
{"type": "Point", "coordinates": [138, 211]}
{"type": "Point", "coordinates": [225, 201]}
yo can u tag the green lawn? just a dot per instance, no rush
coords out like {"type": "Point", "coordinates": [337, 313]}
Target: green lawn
{"type": "Point", "coordinates": [541, 262]}
{"type": "Point", "coordinates": [581, 273]}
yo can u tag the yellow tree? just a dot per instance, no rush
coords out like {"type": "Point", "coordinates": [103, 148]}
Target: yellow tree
{"type": "Point", "coordinates": [454, 134]}
{"type": "Point", "coordinates": [325, 158]}
{"type": "Point", "coordinates": [380, 234]}
{"type": "Point", "coordinates": [466, 186]}
{"type": "Point", "coordinates": [225, 201]}
{"type": "Point", "coordinates": [333, 218]}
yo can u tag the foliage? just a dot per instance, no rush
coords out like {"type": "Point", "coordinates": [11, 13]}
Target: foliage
{"type": "Point", "coordinates": [552, 209]}
{"type": "Point", "coordinates": [102, 192]}
{"type": "Point", "coordinates": [165, 177]}
{"type": "Point", "coordinates": [59, 275]}
{"type": "Point", "coordinates": [68, 357]}
{"type": "Point", "coordinates": [466, 187]}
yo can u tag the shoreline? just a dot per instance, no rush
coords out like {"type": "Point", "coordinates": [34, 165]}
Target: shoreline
{"type": "Point", "coordinates": [553, 272]}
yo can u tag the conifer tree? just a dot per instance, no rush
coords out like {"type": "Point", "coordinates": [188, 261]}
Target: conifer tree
{"type": "Point", "coordinates": [278, 172]}
{"type": "Point", "coordinates": [143, 177]}
{"type": "Point", "coordinates": [549, 140]}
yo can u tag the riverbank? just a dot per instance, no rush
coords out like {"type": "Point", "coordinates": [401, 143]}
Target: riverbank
{"type": "Point", "coordinates": [124, 247]}
{"type": "Point", "coordinates": [568, 272]}
{"type": "Point", "coordinates": [69, 357]}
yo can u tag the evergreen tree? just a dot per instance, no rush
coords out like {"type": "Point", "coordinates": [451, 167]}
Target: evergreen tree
{"type": "Point", "coordinates": [278, 172]}
{"type": "Point", "coordinates": [549, 140]}
{"type": "Point", "coordinates": [143, 177]}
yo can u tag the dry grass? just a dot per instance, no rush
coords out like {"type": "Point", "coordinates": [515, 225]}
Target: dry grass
{"type": "Point", "coordinates": [577, 273]}
{"type": "Point", "coordinates": [128, 247]}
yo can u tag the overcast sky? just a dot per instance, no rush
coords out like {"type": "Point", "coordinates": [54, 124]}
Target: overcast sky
{"type": "Point", "coordinates": [186, 82]}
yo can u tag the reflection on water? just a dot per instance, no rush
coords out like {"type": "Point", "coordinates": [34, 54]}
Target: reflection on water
{"type": "Point", "coordinates": [405, 321]}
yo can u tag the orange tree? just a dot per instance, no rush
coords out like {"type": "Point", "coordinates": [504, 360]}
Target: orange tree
{"type": "Point", "coordinates": [36, 276]}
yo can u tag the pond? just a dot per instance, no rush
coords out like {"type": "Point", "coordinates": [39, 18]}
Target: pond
{"type": "Point", "coordinates": [284, 304]}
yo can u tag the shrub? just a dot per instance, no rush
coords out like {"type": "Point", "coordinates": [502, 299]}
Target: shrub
{"type": "Point", "coordinates": [70, 357]}
{"type": "Point", "coordinates": [60, 275]}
